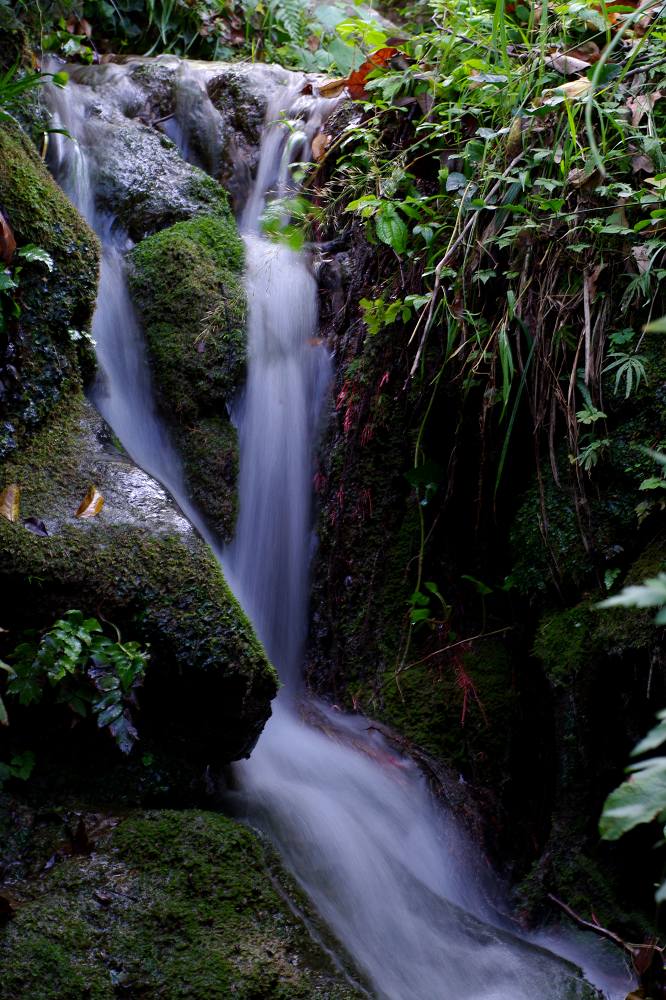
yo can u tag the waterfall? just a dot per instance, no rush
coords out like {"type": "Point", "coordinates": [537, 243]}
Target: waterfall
{"type": "Point", "coordinates": [390, 872]}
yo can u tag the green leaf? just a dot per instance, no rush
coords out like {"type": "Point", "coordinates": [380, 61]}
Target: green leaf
{"type": "Point", "coordinates": [640, 799]}
{"type": "Point", "coordinates": [654, 738]}
{"type": "Point", "coordinates": [657, 326]}
{"type": "Point", "coordinates": [109, 715]}
{"type": "Point", "coordinates": [649, 594]}
{"type": "Point", "coordinates": [390, 228]}
{"type": "Point", "coordinates": [32, 253]}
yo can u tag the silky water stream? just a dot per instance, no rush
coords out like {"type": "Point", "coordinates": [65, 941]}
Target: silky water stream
{"type": "Point", "coordinates": [388, 870]}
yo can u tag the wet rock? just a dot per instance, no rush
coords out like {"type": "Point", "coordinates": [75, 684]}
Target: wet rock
{"type": "Point", "coordinates": [187, 284]}
{"type": "Point", "coordinates": [140, 565]}
{"type": "Point", "coordinates": [169, 904]}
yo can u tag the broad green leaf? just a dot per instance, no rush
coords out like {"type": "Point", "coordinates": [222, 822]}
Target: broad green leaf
{"type": "Point", "coordinates": [33, 253]}
{"type": "Point", "coordinates": [640, 799]}
{"type": "Point", "coordinates": [654, 738]}
{"type": "Point", "coordinates": [649, 594]}
{"type": "Point", "coordinates": [390, 228]}
{"type": "Point", "coordinates": [109, 715]}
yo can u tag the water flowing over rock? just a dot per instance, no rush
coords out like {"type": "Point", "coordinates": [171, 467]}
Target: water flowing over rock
{"type": "Point", "coordinates": [392, 875]}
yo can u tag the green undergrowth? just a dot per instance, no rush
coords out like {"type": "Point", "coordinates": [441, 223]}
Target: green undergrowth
{"type": "Point", "coordinates": [170, 905]}
{"type": "Point", "coordinates": [187, 283]}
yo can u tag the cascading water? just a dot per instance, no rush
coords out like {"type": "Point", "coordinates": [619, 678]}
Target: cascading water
{"type": "Point", "coordinates": [390, 873]}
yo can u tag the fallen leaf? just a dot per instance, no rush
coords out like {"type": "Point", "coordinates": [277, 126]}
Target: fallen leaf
{"type": "Point", "coordinates": [571, 90]}
{"type": "Point", "coordinates": [36, 526]}
{"type": "Point", "coordinates": [7, 241]}
{"type": "Point", "coordinates": [378, 60]}
{"type": "Point", "coordinates": [642, 104]}
{"type": "Point", "coordinates": [320, 144]}
{"type": "Point", "coordinates": [333, 88]}
{"type": "Point", "coordinates": [642, 163]}
{"type": "Point", "coordinates": [355, 82]}
{"type": "Point", "coordinates": [580, 177]}
{"type": "Point", "coordinates": [91, 504]}
{"type": "Point", "coordinates": [566, 63]}
{"type": "Point", "coordinates": [586, 50]}
{"type": "Point", "coordinates": [10, 501]}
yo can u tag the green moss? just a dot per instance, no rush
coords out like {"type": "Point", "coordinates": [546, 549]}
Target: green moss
{"type": "Point", "coordinates": [563, 642]}
{"type": "Point", "coordinates": [187, 284]}
{"type": "Point", "coordinates": [161, 586]}
{"type": "Point", "coordinates": [171, 905]}
{"type": "Point", "coordinates": [45, 361]}
{"type": "Point", "coordinates": [459, 710]}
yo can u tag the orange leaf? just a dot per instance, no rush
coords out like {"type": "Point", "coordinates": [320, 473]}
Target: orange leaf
{"type": "Point", "coordinates": [91, 504]}
{"type": "Point", "coordinates": [7, 241]}
{"type": "Point", "coordinates": [10, 501]}
{"type": "Point", "coordinates": [378, 60]}
{"type": "Point", "coordinates": [320, 144]}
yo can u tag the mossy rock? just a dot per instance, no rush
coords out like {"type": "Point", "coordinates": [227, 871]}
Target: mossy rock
{"type": "Point", "coordinates": [187, 284]}
{"type": "Point", "coordinates": [169, 905]}
{"type": "Point", "coordinates": [461, 711]}
{"type": "Point", "coordinates": [40, 356]}
{"type": "Point", "coordinates": [140, 565]}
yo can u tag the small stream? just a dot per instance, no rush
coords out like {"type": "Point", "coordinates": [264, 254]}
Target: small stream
{"type": "Point", "coordinates": [389, 871]}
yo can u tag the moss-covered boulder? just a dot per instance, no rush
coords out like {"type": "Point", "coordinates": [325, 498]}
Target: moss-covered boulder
{"type": "Point", "coordinates": [140, 565]}
{"type": "Point", "coordinates": [167, 905]}
{"type": "Point", "coordinates": [42, 351]}
{"type": "Point", "coordinates": [187, 284]}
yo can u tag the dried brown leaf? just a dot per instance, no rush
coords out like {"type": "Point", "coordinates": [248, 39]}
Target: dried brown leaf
{"type": "Point", "coordinates": [320, 144]}
{"type": "Point", "coordinates": [91, 504]}
{"type": "Point", "coordinates": [642, 104]}
{"type": "Point", "coordinates": [641, 163]}
{"type": "Point", "coordinates": [10, 502]}
{"type": "Point", "coordinates": [7, 241]}
{"type": "Point", "coordinates": [566, 64]}
{"type": "Point", "coordinates": [333, 88]}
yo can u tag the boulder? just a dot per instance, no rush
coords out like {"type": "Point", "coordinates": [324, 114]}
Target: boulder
{"type": "Point", "coordinates": [139, 565]}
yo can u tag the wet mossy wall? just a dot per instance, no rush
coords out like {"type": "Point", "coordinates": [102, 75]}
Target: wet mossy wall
{"type": "Point", "coordinates": [541, 717]}
{"type": "Point", "coordinates": [42, 353]}
{"type": "Point", "coordinates": [187, 283]}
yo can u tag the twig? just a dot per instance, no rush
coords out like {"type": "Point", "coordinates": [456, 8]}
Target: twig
{"type": "Point", "coordinates": [445, 649]}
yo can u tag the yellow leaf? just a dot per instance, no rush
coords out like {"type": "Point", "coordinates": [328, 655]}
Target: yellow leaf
{"type": "Point", "coordinates": [333, 88]}
{"type": "Point", "coordinates": [571, 90]}
{"type": "Point", "coordinates": [320, 144]}
{"type": "Point", "coordinates": [10, 499]}
{"type": "Point", "coordinates": [91, 504]}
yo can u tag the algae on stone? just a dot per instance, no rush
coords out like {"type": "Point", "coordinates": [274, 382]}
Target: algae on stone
{"type": "Point", "coordinates": [171, 905]}
{"type": "Point", "coordinates": [140, 565]}
{"type": "Point", "coordinates": [187, 284]}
